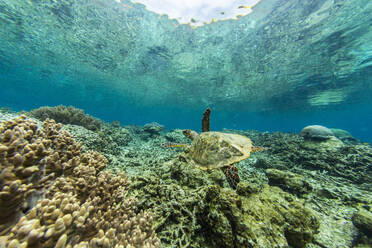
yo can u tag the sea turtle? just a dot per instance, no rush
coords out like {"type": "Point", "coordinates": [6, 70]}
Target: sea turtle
{"type": "Point", "coordinates": [212, 150]}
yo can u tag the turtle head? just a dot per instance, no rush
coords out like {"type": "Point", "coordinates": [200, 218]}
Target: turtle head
{"type": "Point", "coordinates": [190, 134]}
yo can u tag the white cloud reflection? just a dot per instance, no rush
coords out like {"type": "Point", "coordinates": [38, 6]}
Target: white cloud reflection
{"type": "Point", "coordinates": [199, 10]}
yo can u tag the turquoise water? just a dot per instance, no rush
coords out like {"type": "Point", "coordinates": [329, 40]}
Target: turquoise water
{"type": "Point", "coordinates": [287, 65]}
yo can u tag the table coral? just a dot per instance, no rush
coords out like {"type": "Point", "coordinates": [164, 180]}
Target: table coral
{"type": "Point", "coordinates": [53, 195]}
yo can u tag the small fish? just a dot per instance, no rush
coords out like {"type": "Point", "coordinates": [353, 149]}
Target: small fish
{"type": "Point", "coordinates": [176, 145]}
{"type": "Point", "coordinates": [222, 13]}
{"type": "Point", "coordinates": [192, 20]}
{"type": "Point", "coordinates": [244, 7]}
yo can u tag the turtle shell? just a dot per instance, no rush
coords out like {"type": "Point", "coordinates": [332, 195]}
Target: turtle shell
{"type": "Point", "coordinates": [211, 150]}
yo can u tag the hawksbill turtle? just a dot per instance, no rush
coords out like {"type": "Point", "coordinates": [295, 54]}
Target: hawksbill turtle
{"type": "Point", "coordinates": [212, 150]}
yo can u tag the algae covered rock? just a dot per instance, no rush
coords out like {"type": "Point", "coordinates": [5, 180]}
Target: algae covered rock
{"type": "Point", "coordinates": [235, 221]}
{"type": "Point", "coordinates": [288, 181]}
{"type": "Point", "coordinates": [363, 220]}
{"type": "Point", "coordinates": [192, 210]}
{"type": "Point", "coordinates": [245, 188]}
{"type": "Point", "coordinates": [332, 144]}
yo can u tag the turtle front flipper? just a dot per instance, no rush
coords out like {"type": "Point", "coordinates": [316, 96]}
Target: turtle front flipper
{"type": "Point", "coordinates": [232, 175]}
{"type": "Point", "coordinates": [259, 148]}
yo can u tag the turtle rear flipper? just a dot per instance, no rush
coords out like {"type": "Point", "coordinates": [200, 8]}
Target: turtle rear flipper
{"type": "Point", "coordinates": [232, 175]}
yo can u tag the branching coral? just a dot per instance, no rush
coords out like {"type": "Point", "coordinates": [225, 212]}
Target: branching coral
{"type": "Point", "coordinates": [53, 195]}
{"type": "Point", "coordinates": [67, 115]}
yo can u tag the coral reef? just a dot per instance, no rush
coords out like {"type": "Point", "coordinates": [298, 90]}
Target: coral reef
{"type": "Point", "coordinates": [67, 115]}
{"type": "Point", "coordinates": [288, 181]}
{"type": "Point", "coordinates": [291, 152]}
{"type": "Point", "coordinates": [126, 148]}
{"type": "Point", "coordinates": [193, 210]}
{"type": "Point", "coordinates": [363, 220]}
{"type": "Point", "coordinates": [176, 136]}
{"type": "Point", "coordinates": [109, 140]}
{"type": "Point", "coordinates": [54, 195]}
{"type": "Point", "coordinates": [6, 110]}
{"type": "Point", "coordinates": [149, 131]}
{"type": "Point", "coordinates": [153, 128]}
{"type": "Point", "coordinates": [242, 221]}
{"type": "Point", "coordinates": [270, 206]}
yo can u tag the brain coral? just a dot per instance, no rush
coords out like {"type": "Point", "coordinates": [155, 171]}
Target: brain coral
{"type": "Point", "coordinates": [53, 195]}
{"type": "Point", "coordinates": [316, 132]}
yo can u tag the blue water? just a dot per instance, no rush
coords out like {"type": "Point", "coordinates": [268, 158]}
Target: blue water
{"type": "Point", "coordinates": [262, 72]}
{"type": "Point", "coordinates": [110, 106]}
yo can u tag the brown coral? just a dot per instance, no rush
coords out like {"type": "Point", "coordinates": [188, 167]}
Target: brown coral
{"type": "Point", "coordinates": [52, 195]}
{"type": "Point", "coordinates": [67, 115]}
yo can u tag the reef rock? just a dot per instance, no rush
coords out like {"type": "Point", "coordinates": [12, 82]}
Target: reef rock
{"type": "Point", "coordinates": [288, 181]}
{"type": "Point", "coordinates": [363, 220]}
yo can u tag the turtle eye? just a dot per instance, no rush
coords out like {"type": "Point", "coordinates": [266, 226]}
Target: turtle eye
{"type": "Point", "coordinates": [187, 133]}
